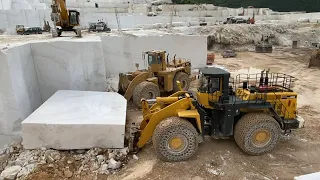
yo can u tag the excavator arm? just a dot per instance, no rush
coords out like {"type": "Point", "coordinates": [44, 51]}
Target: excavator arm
{"type": "Point", "coordinates": [59, 7]}
{"type": "Point", "coordinates": [66, 19]}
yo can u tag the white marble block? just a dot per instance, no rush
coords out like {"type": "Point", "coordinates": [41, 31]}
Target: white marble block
{"type": "Point", "coordinates": [77, 120]}
{"type": "Point", "coordinates": [19, 90]}
{"type": "Point", "coordinates": [69, 65]}
{"type": "Point", "coordinates": [122, 52]}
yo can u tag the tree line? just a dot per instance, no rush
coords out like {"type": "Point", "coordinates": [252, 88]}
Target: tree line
{"type": "Point", "coordinates": [276, 5]}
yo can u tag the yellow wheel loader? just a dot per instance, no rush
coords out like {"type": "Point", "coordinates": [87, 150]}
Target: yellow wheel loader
{"type": "Point", "coordinates": [256, 109]}
{"type": "Point", "coordinates": [159, 77]}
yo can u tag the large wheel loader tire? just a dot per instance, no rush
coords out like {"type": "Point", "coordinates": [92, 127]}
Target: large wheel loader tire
{"type": "Point", "coordinates": [175, 139]}
{"type": "Point", "coordinates": [257, 133]}
{"type": "Point", "coordinates": [184, 80]}
{"type": "Point", "coordinates": [147, 90]}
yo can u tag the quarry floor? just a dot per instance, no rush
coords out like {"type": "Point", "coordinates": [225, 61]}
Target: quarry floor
{"type": "Point", "coordinates": [222, 159]}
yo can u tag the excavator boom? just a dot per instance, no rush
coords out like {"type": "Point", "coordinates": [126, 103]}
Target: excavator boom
{"type": "Point", "coordinates": [59, 6]}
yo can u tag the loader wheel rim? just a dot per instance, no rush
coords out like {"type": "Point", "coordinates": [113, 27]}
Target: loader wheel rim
{"type": "Point", "coordinates": [183, 84]}
{"type": "Point", "coordinates": [177, 143]}
{"type": "Point", "coordinates": [261, 138]}
{"type": "Point", "coordinates": [150, 95]}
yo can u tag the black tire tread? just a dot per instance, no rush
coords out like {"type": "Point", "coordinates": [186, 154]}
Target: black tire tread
{"type": "Point", "coordinates": [164, 128]}
{"type": "Point", "coordinates": [248, 122]}
{"type": "Point", "coordinates": [141, 89]}
{"type": "Point", "coordinates": [178, 77]}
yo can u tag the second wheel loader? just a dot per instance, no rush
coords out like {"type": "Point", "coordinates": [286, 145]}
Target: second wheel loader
{"type": "Point", "coordinates": [256, 109]}
{"type": "Point", "coordinates": [159, 77]}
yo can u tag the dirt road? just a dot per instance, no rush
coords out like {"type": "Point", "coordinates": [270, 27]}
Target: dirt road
{"type": "Point", "coordinates": [222, 159]}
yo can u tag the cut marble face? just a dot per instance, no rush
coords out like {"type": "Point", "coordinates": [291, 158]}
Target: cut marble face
{"type": "Point", "coordinates": [77, 120]}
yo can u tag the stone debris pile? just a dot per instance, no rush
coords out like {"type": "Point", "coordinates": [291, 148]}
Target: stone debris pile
{"type": "Point", "coordinates": [17, 163]}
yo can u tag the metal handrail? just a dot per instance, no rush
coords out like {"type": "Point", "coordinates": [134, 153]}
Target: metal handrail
{"type": "Point", "coordinates": [274, 80]}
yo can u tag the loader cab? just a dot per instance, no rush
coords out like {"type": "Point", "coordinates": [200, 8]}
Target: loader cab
{"type": "Point", "coordinates": [155, 60]}
{"type": "Point", "coordinates": [214, 86]}
{"type": "Point", "coordinates": [74, 19]}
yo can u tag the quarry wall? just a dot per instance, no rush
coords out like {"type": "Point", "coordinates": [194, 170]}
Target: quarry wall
{"type": "Point", "coordinates": [10, 18]}
{"type": "Point", "coordinates": [19, 92]}
{"type": "Point", "coordinates": [30, 73]}
{"type": "Point", "coordinates": [29, 18]}
{"type": "Point", "coordinates": [132, 15]}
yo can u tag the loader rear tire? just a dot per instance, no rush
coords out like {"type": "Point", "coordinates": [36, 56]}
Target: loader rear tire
{"type": "Point", "coordinates": [175, 139]}
{"type": "Point", "coordinates": [257, 133]}
{"type": "Point", "coordinates": [184, 80]}
{"type": "Point", "coordinates": [147, 90]}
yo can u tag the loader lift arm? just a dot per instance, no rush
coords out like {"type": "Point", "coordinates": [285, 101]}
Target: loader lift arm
{"type": "Point", "coordinates": [168, 105]}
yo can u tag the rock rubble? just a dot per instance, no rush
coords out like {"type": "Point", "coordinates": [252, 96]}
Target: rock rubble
{"type": "Point", "coordinates": [17, 163]}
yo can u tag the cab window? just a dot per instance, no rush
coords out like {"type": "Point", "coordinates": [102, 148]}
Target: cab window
{"type": "Point", "coordinates": [203, 88]}
{"type": "Point", "coordinates": [73, 18]}
{"type": "Point", "coordinates": [214, 85]}
{"type": "Point", "coordinates": [209, 85]}
{"type": "Point", "coordinates": [159, 59]}
{"type": "Point", "coordinates": [151, 60]}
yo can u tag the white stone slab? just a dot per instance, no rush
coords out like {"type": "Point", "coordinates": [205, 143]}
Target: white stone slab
{"type": "Point", "coordinates": [77, 120]}
{"type": "Point", "coordinates": [69, 65]}
{"type": "Point", "coordinates": [312, 176]}
{"type": "Point", "coordinates": [122, 52]}
{"type": "Point", "coordinates": [19, 90]}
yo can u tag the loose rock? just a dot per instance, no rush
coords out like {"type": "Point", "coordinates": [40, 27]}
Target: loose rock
{"type": "Point", "coordinates": [111, 155]}
{"type": "Point", "coordinates": [104, 169]}
{"type": "Point", "coordinates": [94, 166]}
{"type": "Point", "coordinates": [67, 173]}
{"type": "Point", "coordinates": [100, 158]}
{"type": "Point", "coordinates": [113, 164]}
{"type": "Point", "coordinates": [25, 161]}
{"type": "Point", "coordinates": [70, 161]}
{"type": "Point", "coordinates": [10, 173]}
{"type": "Point", "coordinates": [80, 151]}
{"type": "Point", "coordinates": [26, 170]}
{"type": "Point", "coordinates": [135, 157]}
{"type": "Point", "coordinates": [3, 151]}
{"type": "Point", "coordinates": [52, 155]}
{"type": "Point", "coordinates": [124, 151]}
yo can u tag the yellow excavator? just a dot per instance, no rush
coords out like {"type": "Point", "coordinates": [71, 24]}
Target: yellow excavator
{"type": "Point", "coordinates": [256, 109]}
{"type": "Point", "coordinates": [64, 19]}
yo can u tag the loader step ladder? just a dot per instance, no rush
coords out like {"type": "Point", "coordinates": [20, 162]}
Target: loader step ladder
{"type": "Point", "coordinates": [277, 109]}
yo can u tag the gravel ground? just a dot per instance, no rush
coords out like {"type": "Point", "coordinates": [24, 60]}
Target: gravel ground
{"type": "Point", "coordinates": [222, 159]}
